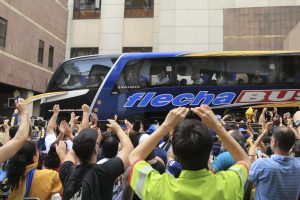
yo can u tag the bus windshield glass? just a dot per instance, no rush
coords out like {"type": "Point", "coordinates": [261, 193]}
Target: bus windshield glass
{"type": "Point", "coordinates": [81, 74]}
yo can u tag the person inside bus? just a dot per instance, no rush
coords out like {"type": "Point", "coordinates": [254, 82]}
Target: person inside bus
{"type": "Point", "coordinates": [163, 78]}
{"type": "Point", "coordinates": [93, 81]}
{"type": "Point", "coordinates": [198, 79]}
{"type": "Point", "coordinates": [73, 83]}
{"type": "Point", "coordinates": [130, 79]}
{"type": "Point", "coordinates": [257, 78]}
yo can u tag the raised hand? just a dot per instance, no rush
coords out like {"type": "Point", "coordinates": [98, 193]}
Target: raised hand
{"type": "Point", "coordinates": [174, 116]}
{"type": "Point", "coordinates": [207, 115]}
{"type": "Point", "coordinates": [85, 108]}
{"type": "Point", "coordinates": [21, 106]}
{"type": "Point", "coordinates": [56, 109]}
{"type": "Point", "coordinates": [114, 125]}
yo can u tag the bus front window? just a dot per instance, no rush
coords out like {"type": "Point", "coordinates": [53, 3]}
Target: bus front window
{"type": "Point", "coordinates": [80, 74]}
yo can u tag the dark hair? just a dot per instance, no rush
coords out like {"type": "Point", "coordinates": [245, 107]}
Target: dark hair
{"type": "Point", "coordinates": [136, 125]}
{"type": "Point", "coordinates": [110, 146]}
{"type": "Point", "coordinates": [296, 148]}
{"type": "Point", "coordinates": [276, 121]}
{"type": "Point", "coordinates": [267, 140]}
{"type": "Point", "coordinates": [12, 131]}
{"type": "Point", "coordinates": [192, 144]}
{"type": "Point", "coordinates": [17, 164]}
{"type": "Point", "coordinates": [84, 144]}
{"type": "Point", "coordinates": [237, 136]}
{"type": "Point", "coordinates": [268, 150]}
{"type": "Point", "coordinates": [52, 160]}
{"type": "Point", "coordinates": [285, 138]}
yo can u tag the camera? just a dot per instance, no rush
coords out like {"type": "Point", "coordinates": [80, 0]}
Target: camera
{"type": "Point", "coordinates": [268, 116]}
{"type": "Point", "coordinates": [192, 115]}
{"type": "Point", "coordinates": [102, 124]}
{"type": "Point", "coordinates": [11, 102]}
{"type": "Point", "coordinates": [39, 122]}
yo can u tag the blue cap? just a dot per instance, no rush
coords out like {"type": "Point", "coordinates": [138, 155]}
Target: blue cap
{"type": "Point", "coordinates": [151, 129]}
{"type": "Point", "coordinates": [242, 129]}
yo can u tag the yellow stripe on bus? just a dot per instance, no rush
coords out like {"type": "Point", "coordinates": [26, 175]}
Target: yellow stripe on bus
{"type": "Point", "coordinates": [241, 53]}
{"type": "Point", "coordinates": [43, 95]}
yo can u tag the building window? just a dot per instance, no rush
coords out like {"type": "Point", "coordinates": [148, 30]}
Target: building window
{"type": "Point", "coordinates": [3, 27]}
{"type": "Point", "coordinates": [41, 51]}
{"type": "Point", "coordinates": [83, 51]}
{"type": "Point", "coordinates": [50, 56]}
{"type": "Point", "coordinates": [86, 9]}
{"type": "Point", "coordinates": [139, 8]}
{"type": "Point", "coordinates": [136, 49]}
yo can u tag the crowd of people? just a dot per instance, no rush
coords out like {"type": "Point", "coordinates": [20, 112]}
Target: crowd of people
{"type": "Point", "coordinates": [193, 154]}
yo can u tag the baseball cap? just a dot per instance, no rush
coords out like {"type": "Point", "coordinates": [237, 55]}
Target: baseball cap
{"type": "Point", "coordinates": [84, 143]}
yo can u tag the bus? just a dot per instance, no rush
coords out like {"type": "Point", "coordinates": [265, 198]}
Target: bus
{"type": "Point", "coordinates": [148, 85]}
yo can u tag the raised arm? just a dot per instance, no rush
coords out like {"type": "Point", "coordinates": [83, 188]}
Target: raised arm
{"type": "Point", "coordinates": [126, 145]}
{"type": "Point", "coordinates": [61, 150]}
{"type": "Point", "coordinates": [253, 150]}
{"type": "Point", "coordinates": [262, 119]}
{"type": "Point", "coordinates": [210, 120]}
{"type": "Point", "coordinates": [85, 117]}
{"type": "Point", "coordinates": [11, 147]}
{"type": "Point", "coordinates": [52, 122]}
{"type": "Point", "coordinates": [145, 148]}
{"type": "Point", "coordinates": [249, 128]}
{"type": "Point", "coordinates": [6, 131]}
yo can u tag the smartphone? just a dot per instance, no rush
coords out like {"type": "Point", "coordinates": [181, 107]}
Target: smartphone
{"type": "Point", "coordinates": [259, 153]}
{"type": "Point", "coordinates": [39, 123]}
{"type": "Point", "coordinates": [102, 124]}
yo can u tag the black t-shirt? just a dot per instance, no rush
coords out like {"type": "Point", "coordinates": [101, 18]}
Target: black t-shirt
{"type": "Point", "coordinates": [96, 180]}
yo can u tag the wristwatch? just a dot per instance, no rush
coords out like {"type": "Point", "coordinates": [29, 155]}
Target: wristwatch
{"type": "Point", "coordinates": [297, 123]}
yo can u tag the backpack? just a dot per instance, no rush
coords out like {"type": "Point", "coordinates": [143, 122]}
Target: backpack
{"type": "Point", "coordinates": [82, 184]}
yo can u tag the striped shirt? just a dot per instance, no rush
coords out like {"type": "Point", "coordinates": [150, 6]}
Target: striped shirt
{"type": "Point", "coordinates": [277, 177]}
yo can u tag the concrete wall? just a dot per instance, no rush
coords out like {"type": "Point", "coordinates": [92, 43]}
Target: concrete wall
{"type": "Point", "coordinates": [138, 32]}
{"type": "Point", "coordinates": [111, 26]}
{"type": "Point", "coordinates": [259, 28]}
{"type": "Point", "coordinates": [177, 25]}
{"type": "Point", "coordinates": [292, 41]}
{"type": "Point", "coordinates": [27, 23]}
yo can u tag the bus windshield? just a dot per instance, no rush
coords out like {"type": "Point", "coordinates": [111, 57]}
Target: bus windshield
{"type": "Point", "coordinates": [81, 74]}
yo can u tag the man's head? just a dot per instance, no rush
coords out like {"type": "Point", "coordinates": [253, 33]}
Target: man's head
{"type": "Point", "coordinates": [163, 73]}
{"type": "Point", "coordinates": [110, 146]}
{"type": "Point", "coordinates": [192, 144]}
{"type": "Point", "coordinates": [12, 131]}
{"type": "Point", "coordinates": [276, 121]}
{"type": "Point", "coordinates": [283, 139]}
{"type": "Point", "coordinates": [85, 145]}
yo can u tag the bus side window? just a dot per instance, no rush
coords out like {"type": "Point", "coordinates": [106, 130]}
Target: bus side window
{"type": "Point", "coordinates": [250, 70]}
{"type": "Point", "coordinates": [288, 69]}
{"type": "Point", "coordinates": [161, 72]}
{"type": "Point", "coordinates": [199, 71]}
{"type": "Point", "coordinates": [134, 76]}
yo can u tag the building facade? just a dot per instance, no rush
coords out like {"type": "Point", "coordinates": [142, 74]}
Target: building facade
{"type": "Point", "coordinates": [32, 44]}
{"type": "Point", "coordinates": [175, 25]}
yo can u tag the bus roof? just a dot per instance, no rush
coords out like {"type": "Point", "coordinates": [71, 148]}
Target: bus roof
{"type": "Point", "coordinates": [95, 56]}
{"type": "Point", "coordinates": [243, 53]}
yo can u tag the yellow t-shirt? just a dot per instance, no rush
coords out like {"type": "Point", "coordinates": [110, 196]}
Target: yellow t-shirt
{"type": "Point", "coordinates": [44, 184]}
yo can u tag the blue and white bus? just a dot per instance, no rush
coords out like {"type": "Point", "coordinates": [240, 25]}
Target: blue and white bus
{"type": "Point", "coordinates": [148, 85]}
